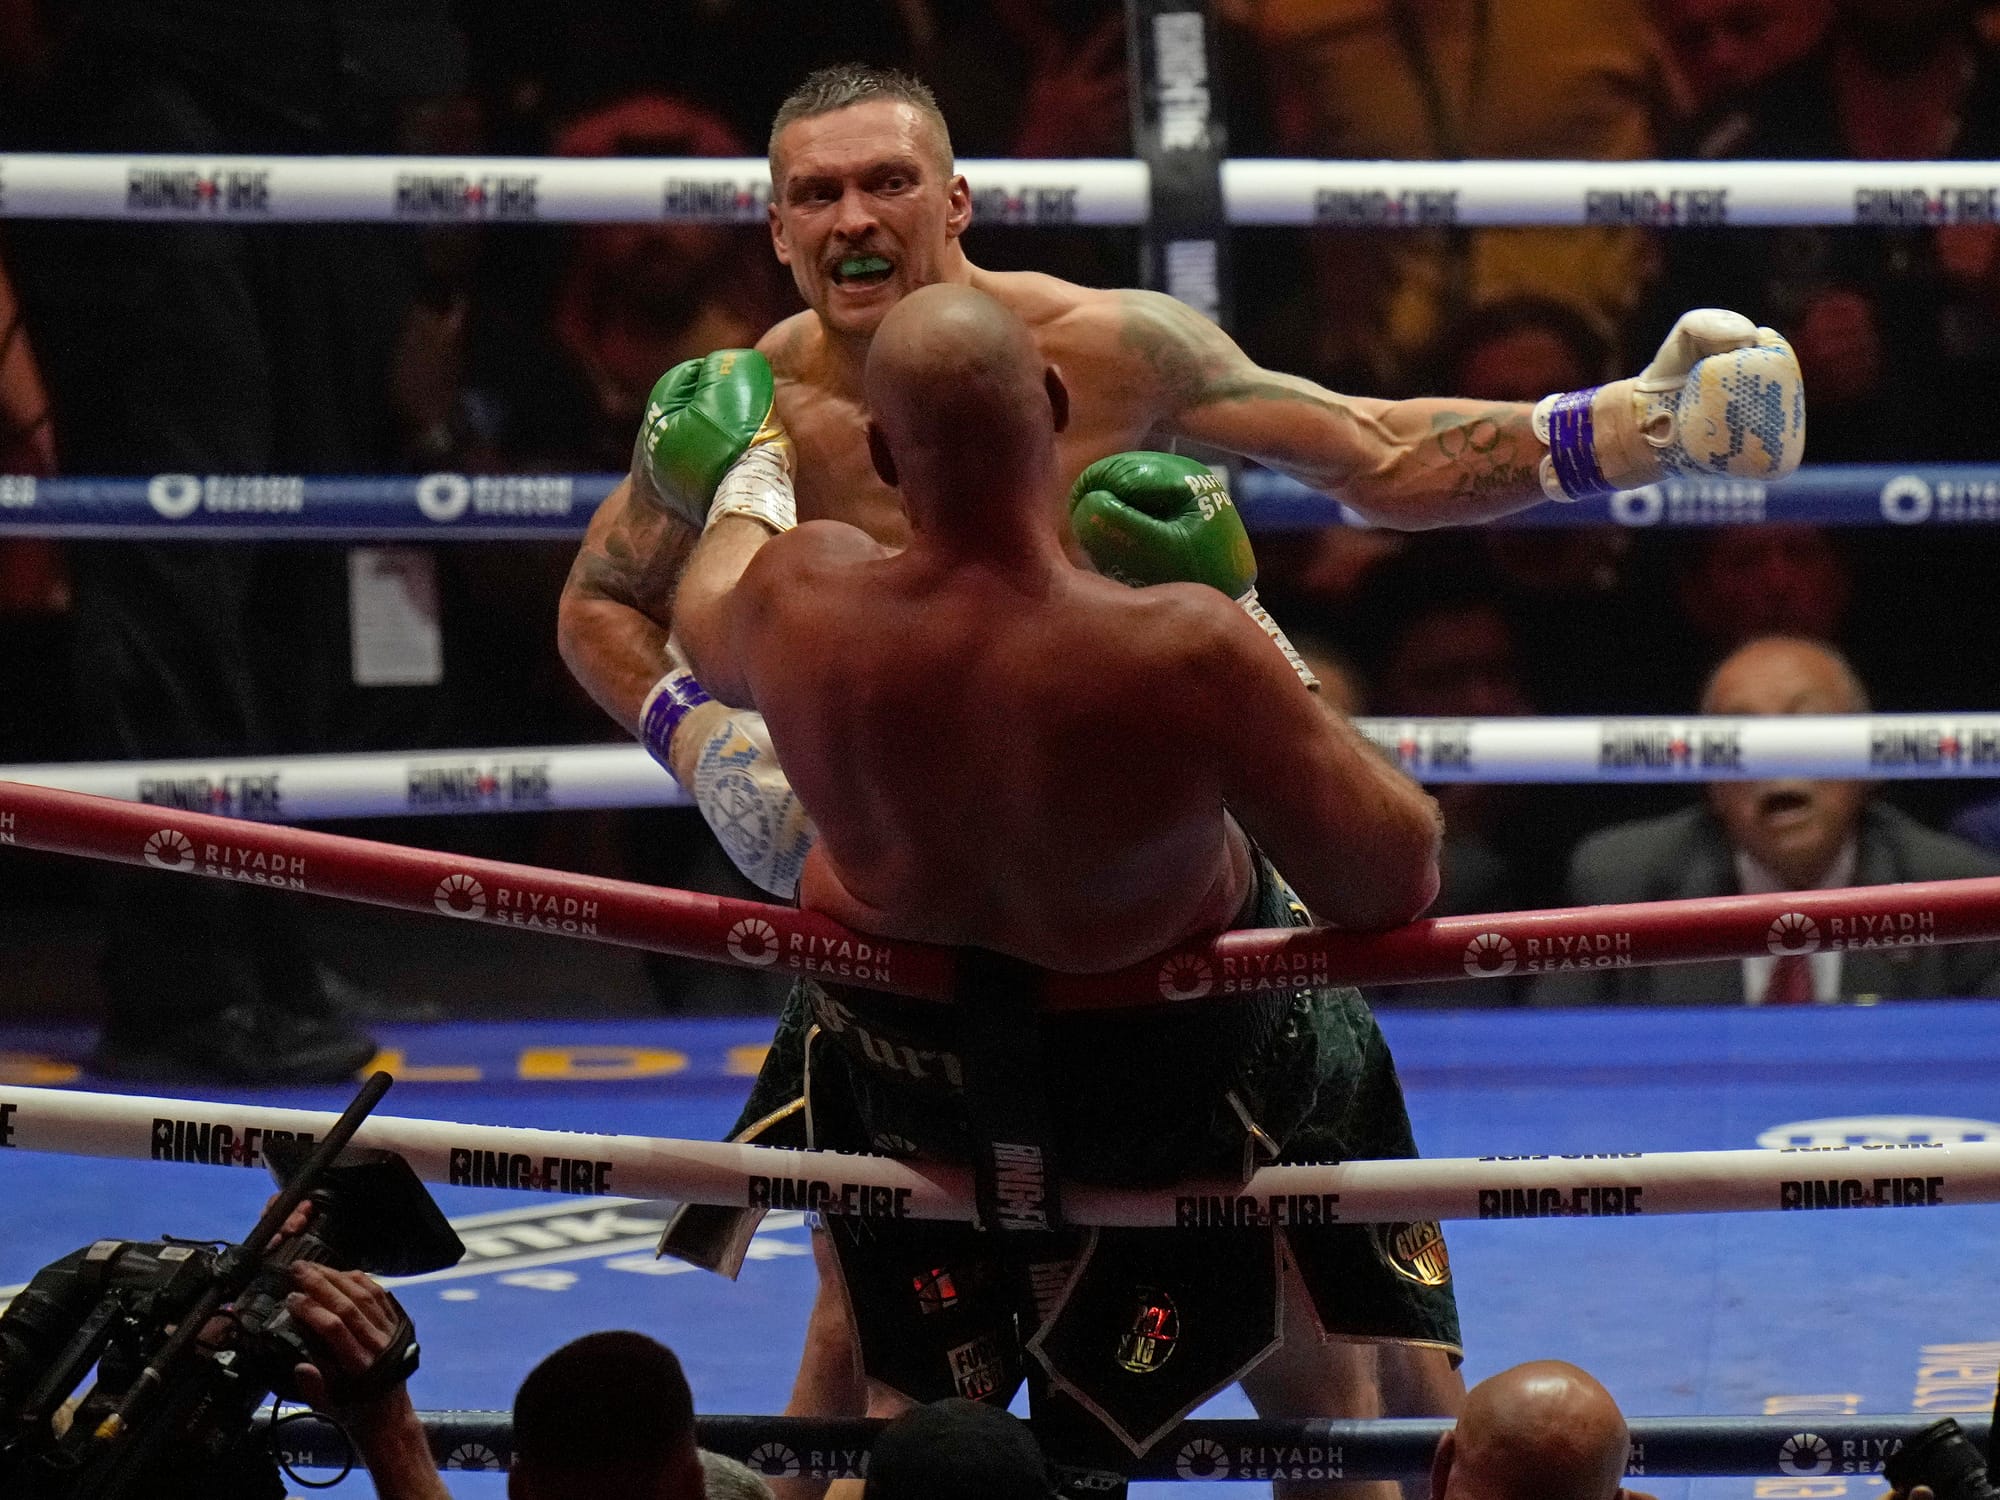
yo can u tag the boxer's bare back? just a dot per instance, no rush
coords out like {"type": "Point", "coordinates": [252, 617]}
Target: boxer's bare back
{"type": "Point", "coordinates": [1003, 749]}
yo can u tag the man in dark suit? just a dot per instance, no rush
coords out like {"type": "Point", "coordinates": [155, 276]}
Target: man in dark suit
{"type": "Point", "coordinates": [1753, 837]}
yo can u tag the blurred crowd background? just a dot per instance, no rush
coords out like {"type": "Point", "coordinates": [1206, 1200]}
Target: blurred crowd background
{"type": "Point", "coordinates": [137, 349]}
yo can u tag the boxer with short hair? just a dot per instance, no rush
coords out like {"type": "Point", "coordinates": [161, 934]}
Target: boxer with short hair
{"type": "Point", "coordinates": [866, 208]}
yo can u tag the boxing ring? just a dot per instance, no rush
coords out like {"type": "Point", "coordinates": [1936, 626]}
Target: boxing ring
{"type": "Point", "coordinates": [1671, 1199]}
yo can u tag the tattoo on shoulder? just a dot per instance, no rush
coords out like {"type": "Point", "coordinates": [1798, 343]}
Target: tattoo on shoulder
{"type": "Point", "coordinates": [1196, 364]}
{"type": "Point", "coordinates": [1181, 348]}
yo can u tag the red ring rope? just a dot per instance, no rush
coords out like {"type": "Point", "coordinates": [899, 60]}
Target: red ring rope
{"type": "Point", "coordinates": [752, 934]}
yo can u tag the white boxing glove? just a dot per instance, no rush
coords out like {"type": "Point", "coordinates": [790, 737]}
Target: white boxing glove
{"type": "Point", "coordinates": [1722, 396]}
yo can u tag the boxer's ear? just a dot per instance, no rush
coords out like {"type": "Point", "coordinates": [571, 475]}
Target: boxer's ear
{"type": "Point", "coordinates": [878, 450]}
{"type": "Point", "coordinates": [1052, 381]}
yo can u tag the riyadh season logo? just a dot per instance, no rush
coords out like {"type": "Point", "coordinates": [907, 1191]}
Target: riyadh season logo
{"type": "Point", "coordinates": [1203, 1458]}
{"type": "Point", "coordinates": [169, 849]}
{"type": "Point", "coordinates": [443, 497]}
{"type": "Point", "coordinates": [754, 941]}
{"type": "Point", "coordinates": [460, 896]}
{"type": "Point", "coordinates": [1805, 1454]}
{"type": "Point", "coordinates": [774, 1460]}
{"type": "Point", "coordinates": [175, 496]}
{"type": "Point", "coordinates": [1489, 956]}
{"type": "Point", "coordinates": [1792, 934]}
{"type": "Point", "coordinates": [1907, 501]}
{"type": "Point", "coordinates": [1186, 976]}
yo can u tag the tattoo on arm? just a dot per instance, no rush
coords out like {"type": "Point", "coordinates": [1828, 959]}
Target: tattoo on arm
{"type": "Point", "coordinates": [1485, 453]}
{"type": "Point", "coordinates": [1195, 364]}
{"type": "Point", "coordinates": [636, 560]}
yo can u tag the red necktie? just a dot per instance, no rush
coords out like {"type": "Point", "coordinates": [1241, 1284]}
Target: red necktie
{"type": "Point", "coordinates": [1790, 982]}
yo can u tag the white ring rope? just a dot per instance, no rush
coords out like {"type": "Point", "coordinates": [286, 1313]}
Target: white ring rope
{"type": "Point", "coordinates": [1601, 1185]}
{"type": "Point", "coordinates": [381, 784]}
{"type": "Point", "coordinates": [504, 190]}
{"type": "Point", "coordinates": [283, 789]}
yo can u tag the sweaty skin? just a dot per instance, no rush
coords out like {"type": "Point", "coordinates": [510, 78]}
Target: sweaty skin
{"type": "Point", "coordinates": [872, 182]}
{"type": "Point", "coordinates": [875, 180]}
{"type": "Point", "coordinates": [1000, 748]}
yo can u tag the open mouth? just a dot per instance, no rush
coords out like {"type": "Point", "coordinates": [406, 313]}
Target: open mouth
{"type": "Point", "coordinates": [1785, 803]}
{"type": "Point", "coordinates": [860, 271]}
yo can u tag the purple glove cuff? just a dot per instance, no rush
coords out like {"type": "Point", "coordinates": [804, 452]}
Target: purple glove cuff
{"type": "Point", "coordinates": [673, 696]}
{"type": "Point", "coordinates": [1572, 445]}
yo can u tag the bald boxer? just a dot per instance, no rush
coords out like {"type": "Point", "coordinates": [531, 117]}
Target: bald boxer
{"type": "Point", "coordinates": [888, 674]}
{"type": "Point", "coordinates": [1540, 1431]}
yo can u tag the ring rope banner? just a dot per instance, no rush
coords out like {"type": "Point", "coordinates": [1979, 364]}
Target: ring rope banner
{"type": "Point", "coordinates": [1611, 1184]}
{"type": "Point", "coordinates": [250, 189]}
{"type": "Point", "coordinates": [1559, 751]}
{"type": "Point", "coordinates": [530, 507]}
{"type": "Point", "coordinates": [1248, 1449]}
{"type": "Point", "coordinates": [760, 935]}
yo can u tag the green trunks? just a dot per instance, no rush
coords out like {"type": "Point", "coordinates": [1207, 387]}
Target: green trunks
{"type": "Point", "coordinates": [1139, 1326]}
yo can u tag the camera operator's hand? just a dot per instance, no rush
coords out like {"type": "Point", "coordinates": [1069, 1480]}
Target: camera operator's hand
{"type": "Point", "coordinates": [354, 1321]}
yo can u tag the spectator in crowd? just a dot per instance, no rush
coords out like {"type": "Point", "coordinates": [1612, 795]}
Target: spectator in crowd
{"type": "Point", "coordinates": [966, 1450]}
{"type": "Point", "coordinates": [194, 345]}
{"type": "Point", "coordinates": [1540, 1431]}
{"type": "Point", "coordinates": [1721, 49]}
{"type": "Point", "coordinates": [1755, 837]}
{"type": "Point", "coordinates": [1403, 80]}
{"type": "Point", "coordinates": [1022, 79]}
{"type": "Point", "coordinates": [609, 1414]}
{"type": "Point", "coordinates": [1434, 643]}
{"type": "Point", "coordinates": [34, 586]}
{"type": "Point", "coordinates": [1894, 328]}
{"type": "Point", "coordinates": [566, 388]}
{"type": "Point", "coordinates": [1735, 584]}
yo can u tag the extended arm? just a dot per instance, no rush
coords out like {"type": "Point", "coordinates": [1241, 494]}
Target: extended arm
{"type": "Point", "coordinates": [1721, 397]}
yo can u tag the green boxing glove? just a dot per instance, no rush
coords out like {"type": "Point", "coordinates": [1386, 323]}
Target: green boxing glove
{"type": "Point", "coordinates": [1149, 518]}
{"type": "Point", "coordinates": [711, 444]}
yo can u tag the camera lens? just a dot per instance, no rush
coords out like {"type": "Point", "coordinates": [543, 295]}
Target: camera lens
{"type": "Point", "coordinates": [1943, 1457]}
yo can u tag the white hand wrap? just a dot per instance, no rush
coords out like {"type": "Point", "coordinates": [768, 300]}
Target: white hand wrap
{"type": "Point", "coordinates": [1254, 608]}
{"type": "Point", "coordinates": [1722, 396]}
{"type": "Point", "coordinates": [759, 485]}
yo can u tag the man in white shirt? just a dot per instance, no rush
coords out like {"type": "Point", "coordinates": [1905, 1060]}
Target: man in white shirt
{"type": "Point", "coordinates": [1757, 837]}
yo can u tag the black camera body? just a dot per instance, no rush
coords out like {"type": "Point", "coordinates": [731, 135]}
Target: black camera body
{"type": "Point", "coordinates": [1943, 1458]}
{"type": "Point", "coordinates": [116, 1306]}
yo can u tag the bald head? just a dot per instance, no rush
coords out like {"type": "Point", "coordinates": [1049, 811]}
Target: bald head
{"type": "Point", "coordinates": [1784, 674]}
{"type": "Point", "coordinates": [1540, 1431]}
{"type": "Point", "coordinates": [960, 397]}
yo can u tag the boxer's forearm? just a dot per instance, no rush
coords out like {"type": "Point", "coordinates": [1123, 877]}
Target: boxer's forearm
{"type": "Point", "coordinates": [1411, 465]}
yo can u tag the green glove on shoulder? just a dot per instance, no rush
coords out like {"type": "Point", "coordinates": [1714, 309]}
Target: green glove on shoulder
{"type": "Point", "coordinates": [1148, 518]}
